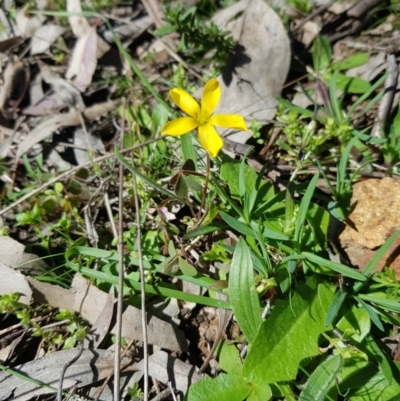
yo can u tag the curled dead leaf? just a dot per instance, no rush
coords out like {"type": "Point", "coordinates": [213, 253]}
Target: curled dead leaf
{"type": "Point", "coordinates": [48, 127]}
{"type": "Point", "coordinates": [15, 82]}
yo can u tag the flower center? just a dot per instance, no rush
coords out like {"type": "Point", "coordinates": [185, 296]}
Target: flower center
{"type": "Point", "coordinates": [203, 117]}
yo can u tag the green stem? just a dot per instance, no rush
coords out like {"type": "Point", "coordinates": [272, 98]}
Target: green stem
{"type": "Point", "coordinates": [203, 199]}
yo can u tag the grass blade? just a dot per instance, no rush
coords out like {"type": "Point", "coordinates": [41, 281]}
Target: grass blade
{"type": "Point", "coordinates": [336, 267]}
{"type": "Point", "coordinates": [304, 205]}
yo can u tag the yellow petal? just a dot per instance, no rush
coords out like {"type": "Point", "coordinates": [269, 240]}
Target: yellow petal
{"type": "Point", "coordinates": [185, 102]}
{"type": "Point", "coordinates": [228, 121]}
{"type": "Point", "coordinates": [179, 126]}
{"type": "Point", "coordinates": [210, 140]}
{"type": "Point", "coordinates": [210, 99]}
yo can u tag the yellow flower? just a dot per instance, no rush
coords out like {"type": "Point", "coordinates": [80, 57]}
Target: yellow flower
{"type": "Point", "coordinates": [201, 117]}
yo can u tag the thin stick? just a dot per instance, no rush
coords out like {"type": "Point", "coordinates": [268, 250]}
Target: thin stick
{"type": "Point", "coordinates": [110, 215]}
{"type": "Point", "coordinates": [143, 292]}
{"type": "Point", "coordinates": [66, 366]}
{"type": "Point", "coordinates": [120, 302]}
{"type": "Point", "coordinates": [70, 172]}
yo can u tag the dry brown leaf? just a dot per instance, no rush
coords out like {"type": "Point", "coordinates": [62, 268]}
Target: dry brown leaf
{"type": "Point", "coordinates": [102, 324]}
{"type": "Point", "coordinates": [67, 93]}
{"type": "Point", "coordinates": [54, 295]}
{"type": "Point", "coordinates": [8, 350]}
{"type": "Point", "coordinates": [165, 368]}
{"type": "Point", "coordinates": [28, 25]}
{"type": "Point", "coordinates": [8, 44]}
{"type": "Point", "coordinates": [130, 31]}
{"type": "Point", "coordinates": [83, 62]}
{"type": "Point", "coordinates": [15, 83]}
{"type": "Point", "coordinates": [12, 253]}
{"type": "Point", "coordinates": [48, 127]}
{"type": "Point", "coordinates": [13, 281]}
{"type": "Point", "coordinates": [44, 37]}
{"type": "Point", "coordinates": [64, 94]}
{"type": "Point", "coordinates": [80, 26]}
{"type": "Point", "coordinates": [54, 159]}
{"type": "Point", "coordinates": [256, 73]}
{"type": "Point", "coordinates": [155, 12]}
{"type": "Point", "coordinates": [84, 140]}
{"type": "Point", "coordinates": [92, 366]}
{"type": "Point", "coordinates": [44, 130]}
{"type": "Point", "coordinates": [90, 301]}
{"type": "Point", "coordinates": [45, 106]}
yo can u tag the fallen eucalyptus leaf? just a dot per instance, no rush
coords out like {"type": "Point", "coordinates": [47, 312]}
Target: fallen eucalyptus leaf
{"type": "Point", "coordinates": [92, 366]}
{"type": "Point", "coordinates": [257, 71]}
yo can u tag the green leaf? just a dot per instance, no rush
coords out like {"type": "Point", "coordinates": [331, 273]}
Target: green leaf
{"type": "Point", "coordinates": [290, 208]}
{"type": "Point", "coordinates": [153, 184]}
{"type": "Point", "coordinates": [261, 392]}
{"type": "Point", "coordinates": [203, 230]}
{"type": "Point", "coordinates": [372, 313]}
{"type": "Point", "coordinates": [355, 60]}
{"type": "Point", "coordinates": [165, 30]}
{"type": "Point", "coordinates": [192, 184]}
{"type": "Point", "coordinates": [379, 254]}
{"type": "Point", "coordinates": [69, 343]}
{"type": "Point", "coordinates": [268, 233]}
{"type": "Point", "coordinates": [188, 148]}
{"type": "Point", "coordinates": [349, 84]}
{"type": "Point", "coordinates": [321, 53]}
{"type": "Point", "coordinates": [242, 179]}
{"type": "Point", "coordinates": [377, 388]}
{"type": "Point", "coordinates": [181, 188]}
{"type": "Point", "coordinates": [371, 348]}
{"type": "Point", "coordinates": [159, 115]}
{"type": "Point", "coordinates": [283, 390]}
{"type": "Point", "coordinates": [355, 324]}
{"type": "Point", "coordinates": [229, 359]}
{"type": "Point", "coordinates": [336, 304]}
{"type": "Point", "coordinates": [318, 220]}
{"type": "Point", "coordinates": [336, 267]}
{"type": "Point", "coordinates": [225, 387]}
{"type": "Point", "coordinates": [237, 225]}
{"type": "Point", "coordinates": [321, 384]}
{"type": "Point", "coordinates": [152, 289]}
{"type": "Point", "coordinates": [186, 268]}
{"type": "Point", "coordinates": [390, 304]}
{"type": "Point", "coordinates": [242, 291]}
{"type": "Point", "coordinates": [303, 209]}
{"type": "Point", "coordinates": [289, 335]}
{"type": "Point", "coordinates": [230, 173]}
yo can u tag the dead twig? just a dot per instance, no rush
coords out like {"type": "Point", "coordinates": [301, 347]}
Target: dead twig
{"type": "Point", "coordinates": [387, 99]}
{"type": "Point", "coordinates": [316, 12]}
{"type": "Point", "coordinates": [66, 366]}
{"type": "Point", "coordinates": [121, 270]}
{"type": "Point", "coordinates": [142, 291]}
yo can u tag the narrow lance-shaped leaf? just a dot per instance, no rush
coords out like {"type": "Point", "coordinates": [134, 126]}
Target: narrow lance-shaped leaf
{"type": "Point", "coordinates": [242, 292]}
{"type": "Point", "coordinates": [305, 203]}
{"type": "Point", "coordinates": [321, 384]}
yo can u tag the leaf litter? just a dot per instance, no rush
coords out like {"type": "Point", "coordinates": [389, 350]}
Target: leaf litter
{"type": "Point", "coordinates": [76, 105]}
